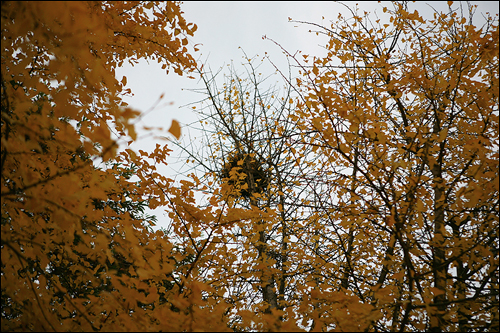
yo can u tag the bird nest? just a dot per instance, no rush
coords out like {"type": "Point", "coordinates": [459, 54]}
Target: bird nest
{"type": "Point", "coordinates": [256, 174]}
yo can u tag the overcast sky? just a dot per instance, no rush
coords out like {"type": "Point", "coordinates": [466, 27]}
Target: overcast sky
{"type": "Point", "coordinates": [223, 28]}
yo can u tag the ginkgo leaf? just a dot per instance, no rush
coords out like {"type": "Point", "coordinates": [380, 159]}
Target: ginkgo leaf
{"type": "Point", "coordinates": [175, 129]}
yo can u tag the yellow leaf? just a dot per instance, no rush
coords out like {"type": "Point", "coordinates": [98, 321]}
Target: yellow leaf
{"type": "Point", "coordinates": [389, 220]}
{"type": "Point", "coordinates": [175, 129]}
{"type": "Point", "coordinates": [436, 291]}
{"type": "Point", "coordinates": [443, 134]}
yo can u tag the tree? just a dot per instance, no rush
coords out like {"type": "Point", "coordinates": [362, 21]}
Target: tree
{"type": "Point", "coordinates": [406, 115]}
{"type": "Point", "coordinates": [251, 174]}
{"type": "Point", "coordinates": [77, 254]}
{"type": "Point", "coordinates": [398, 128]}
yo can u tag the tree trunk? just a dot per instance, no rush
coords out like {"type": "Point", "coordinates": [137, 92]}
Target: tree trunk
{"type": "Point", "coordinates": [439, 265]}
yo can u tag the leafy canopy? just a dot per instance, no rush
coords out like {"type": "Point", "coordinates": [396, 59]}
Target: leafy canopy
{"type": "Point", "coordinates": [369, 190]}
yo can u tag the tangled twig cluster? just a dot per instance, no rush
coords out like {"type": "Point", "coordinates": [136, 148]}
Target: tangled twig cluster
{"type": "Point", "coordinates": [256, 174]}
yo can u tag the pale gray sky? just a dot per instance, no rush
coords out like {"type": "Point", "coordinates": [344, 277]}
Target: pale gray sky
{"type": "Point", "coordinates": [223, 27]}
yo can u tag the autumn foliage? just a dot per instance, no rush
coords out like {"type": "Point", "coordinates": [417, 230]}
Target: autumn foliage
{"type": "Point", "coordinates": [77, 253]}
{"type": "Point", "coordinates": [365, 197]}
{"type": "Point", "coordinates": [406, 117]}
